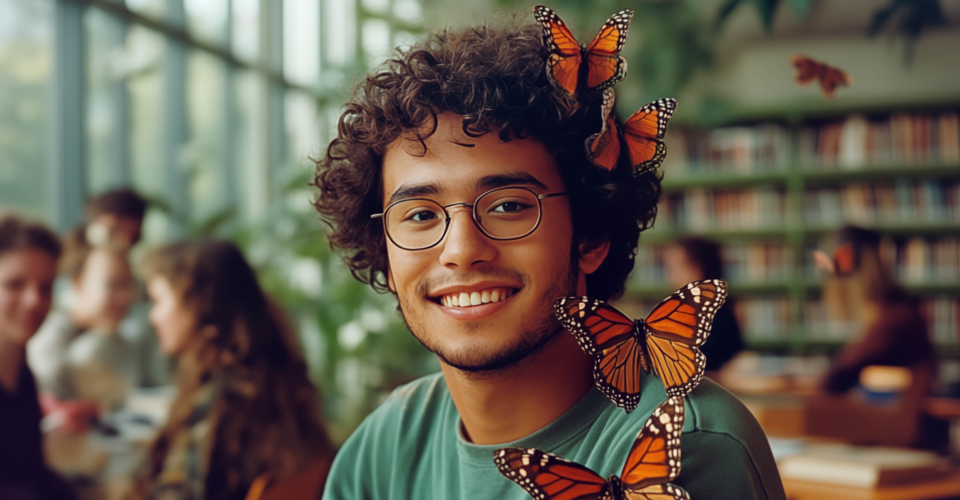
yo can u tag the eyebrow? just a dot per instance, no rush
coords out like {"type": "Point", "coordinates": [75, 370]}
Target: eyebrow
{"type": "Point", "coordinates": [488, 182]}
{"type": "Point", "coordinates": [509, 179]}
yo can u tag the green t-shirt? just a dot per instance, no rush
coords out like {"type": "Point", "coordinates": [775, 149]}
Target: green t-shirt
{"type": "Point", "coordinates": [412, 447]}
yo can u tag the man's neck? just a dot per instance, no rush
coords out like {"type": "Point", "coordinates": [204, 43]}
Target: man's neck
{"type": "Point", "coordinates": [11, 362]}
{"type": "Point", "coordinates": [508, 405]}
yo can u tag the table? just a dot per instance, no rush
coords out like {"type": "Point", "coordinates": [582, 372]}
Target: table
{"type": "Point", "coordinates": [946, 488]}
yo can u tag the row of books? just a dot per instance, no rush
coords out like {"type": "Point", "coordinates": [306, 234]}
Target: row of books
{"type": "Point", "coordinates": [765, 319]}
{"type": "Point", "coordinates": [943, 319]}
{"type": "Point", "coordinates": [701, 209]}
{"type": "Point", "coordinates": [857, 142]}
{"type": "Point", "coordinates": [762, 148]}
{"type": "Point", "coordinates": [925, 201]}
{"type": "Point", "coordinates": [752, 263]}
{"type": "Point", "coordinates": [900, 139]}
{"type": "Point", "coordinates": [919, 260]}
{"type": "Point", "coordinates": [913, 261]}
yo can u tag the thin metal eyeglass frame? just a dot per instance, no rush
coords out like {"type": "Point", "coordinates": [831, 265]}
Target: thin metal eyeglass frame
{"type": "Point", "coordinates": [473, 216]}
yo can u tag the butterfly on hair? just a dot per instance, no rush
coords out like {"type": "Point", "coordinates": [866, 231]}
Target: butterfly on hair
{"type": "Point", "coordinates": [667, 340]}
{"type": "Point", "coordinates": [640, 136]}
{"type": "Point", "coordinates": [653, 461]}
{"type": "Point", "coordinates": [578, 70]}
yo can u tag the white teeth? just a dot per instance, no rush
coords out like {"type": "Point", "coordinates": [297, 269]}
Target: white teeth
{"type": "Point", "coordinates": [464, 299]}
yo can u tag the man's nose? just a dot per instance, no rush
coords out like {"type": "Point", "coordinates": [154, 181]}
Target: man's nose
{"type": "Point", "coordinates": [465, 245]}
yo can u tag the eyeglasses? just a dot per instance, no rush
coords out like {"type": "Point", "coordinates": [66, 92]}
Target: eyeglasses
{"type": "Point", "coordinates": [508, 213]}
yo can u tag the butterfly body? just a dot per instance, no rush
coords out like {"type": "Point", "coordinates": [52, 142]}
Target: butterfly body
{"type": "Point", "coordinates": [653, 461]}
{"type": "Point", "coordinates": [666, 341]}
{"type": "Point", "coordinates": [578, 69]}
{"type": "Point", "coordinates": [640, 136]}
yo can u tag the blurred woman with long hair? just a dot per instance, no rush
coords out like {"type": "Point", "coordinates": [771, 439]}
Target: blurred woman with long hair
{"type": "Point", "coordinates": [890, 329]}
{"type": "Point", "coordinates": [245, 408]}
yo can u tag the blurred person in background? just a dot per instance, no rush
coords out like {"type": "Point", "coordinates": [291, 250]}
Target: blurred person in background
{"type": "Point", "coordinates": [245, 412]}
{"type": "Point", "coordinates": [28, 267]}
{"type": "Point", "coordinates": [891, 331]}
{"type": "Point", "coordinates": [78, 354]}
{"type": "Point", "coordinates": [115, 217]}
{"type": "Point", "coordinates": [890, 361]}
{"type": "Point", "coordinates": [693, 259]}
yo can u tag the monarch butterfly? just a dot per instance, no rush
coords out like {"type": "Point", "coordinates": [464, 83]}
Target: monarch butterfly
{"type": "Point", "coordinates": [641, 135]}
{"type": "Point", "coordinates": [654, 459]}
{"type": "Point", "coordinates": [830, 77]}
{"type": "Point", "coordinates": [668, 339]}
{"type": "Point", "coordinates": [571, 67]}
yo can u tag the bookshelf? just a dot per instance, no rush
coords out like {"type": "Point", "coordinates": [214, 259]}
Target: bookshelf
{"type": "Point", "coordinates": [769, 186]}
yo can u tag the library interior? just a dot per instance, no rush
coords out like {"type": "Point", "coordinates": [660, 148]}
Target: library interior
{"type": "Point", "coordinates": [812, 162]}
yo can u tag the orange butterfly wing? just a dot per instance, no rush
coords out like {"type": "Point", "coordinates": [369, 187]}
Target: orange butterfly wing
{"type": "Point", "coordinates": [831, 79]}
{"type": "Point", "coordinates": [806, 69]}
{"type": "Point", "coordinates": [549, 477]}
{"type": "Point", "coordinates": [643, 134]}
{"type": "Point", "coordinates": [605, 67]}
{"type": "Point", "coordinates": [563, 65]}
{"type": "Point", "coordinates": [603, 148]}
{"type": "Point", "coordinates": [675, 329]}
{"type": "Point", "coordinates": [654, 458]}
{"type": "Point", "coordinates": [612, 339]}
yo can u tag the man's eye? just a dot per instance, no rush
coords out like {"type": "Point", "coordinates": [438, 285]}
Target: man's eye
{"type": "Point", "coordinates": [510, 207]}
{"type": "Point", "coordinates": [422, 216]}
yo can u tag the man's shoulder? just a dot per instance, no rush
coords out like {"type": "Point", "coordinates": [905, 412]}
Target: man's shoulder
{"type": "Point", "coordinates": [711, 408]}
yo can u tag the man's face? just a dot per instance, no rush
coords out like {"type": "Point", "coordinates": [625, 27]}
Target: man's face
{"type": "Point", "coordinates": [531, 272]}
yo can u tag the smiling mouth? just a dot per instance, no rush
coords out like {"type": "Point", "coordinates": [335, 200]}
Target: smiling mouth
{"type": "Point", "coordinates": [475, 297]}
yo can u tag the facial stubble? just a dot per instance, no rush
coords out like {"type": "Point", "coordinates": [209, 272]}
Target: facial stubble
{"type": "Point", "coordinates": [533, 336]}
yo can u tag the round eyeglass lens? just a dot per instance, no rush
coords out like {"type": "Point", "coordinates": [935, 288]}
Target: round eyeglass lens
{"type": "Point", "coordinates": [415, 224]}
{"type": "Point", "coordinates": [508, 213]}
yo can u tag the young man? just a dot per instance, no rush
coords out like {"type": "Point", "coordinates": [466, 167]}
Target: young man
{"type": "Point", "coordinates": [458, 182]}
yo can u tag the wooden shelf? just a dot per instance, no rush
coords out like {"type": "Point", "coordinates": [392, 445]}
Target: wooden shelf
{"type": "Point", "coordinates": [724, 180]}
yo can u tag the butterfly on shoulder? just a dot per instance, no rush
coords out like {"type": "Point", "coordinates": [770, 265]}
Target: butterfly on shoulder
{"type": "Point", "coordinates": [830, 77]}
{"type": "Point", "coordinates": [641, 135]}
{"type": "Point", "coordinates": [668, 340]}
{"type": "Point", "coordinates": [653, 461]}
{"type": "Point", "coordinates": [576, 69]}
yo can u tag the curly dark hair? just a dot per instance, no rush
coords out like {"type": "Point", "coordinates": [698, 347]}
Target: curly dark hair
{"type": "Point", "coordinates": [495, 78]}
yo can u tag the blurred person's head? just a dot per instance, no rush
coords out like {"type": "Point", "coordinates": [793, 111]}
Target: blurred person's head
{"type": "Point", "coordinates": [209, 310]}
{"type": "Point", "coordinates": [858, 280]}
{"type": "Point", "coordinates": [458, 114]}
{"type": "Point", "coordinates": [28, 267]}
{"type": "Point", "coordinates": [103, 283]}
{"type": "Point", "coordinates": [692, 259]}
{"type": "Point", "coordinates": [115, 218]}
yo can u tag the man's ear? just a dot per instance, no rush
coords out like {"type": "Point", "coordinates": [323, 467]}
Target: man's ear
{"type": "Point", "coordinates": [592, 254]}
{"type": "Point", "coordinates": [390, 284]}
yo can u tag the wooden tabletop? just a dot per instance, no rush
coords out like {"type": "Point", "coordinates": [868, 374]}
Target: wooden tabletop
{"type": "Point", "coordinates": [947, 487]}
